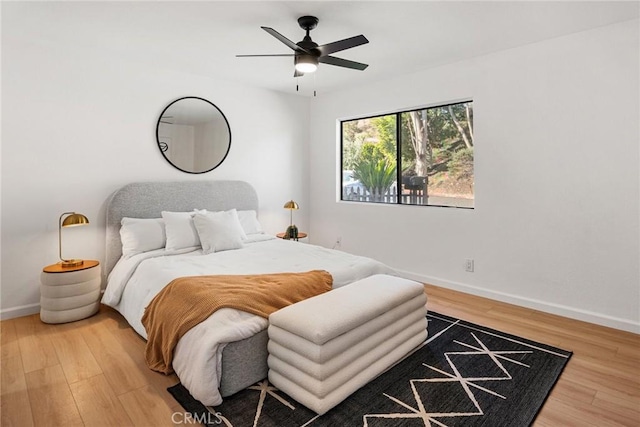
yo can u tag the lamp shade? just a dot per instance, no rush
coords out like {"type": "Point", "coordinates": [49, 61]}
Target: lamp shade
{"type": "Point", "coordinates": [71, 220]}
{"type": "Point", "coordinates": [291, 205]}
{"type": "Point", "coordinates": [75, 219]}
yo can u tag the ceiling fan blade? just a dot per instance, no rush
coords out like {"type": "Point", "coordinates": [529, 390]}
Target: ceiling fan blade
{"type": "Point", "coordinates": [297, 73]}
{"type": "Point", "coordinates": [329, 48]}
{"type": "Point", "coordinates": [275, 54]}
{"type": "Point", "coordinates": [332, 60]}
{"type": "Point", "coordinates": [284, 40]}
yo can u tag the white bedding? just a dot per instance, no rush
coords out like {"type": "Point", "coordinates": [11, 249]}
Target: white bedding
{"type": "Point", "coordinates": [198, 356]}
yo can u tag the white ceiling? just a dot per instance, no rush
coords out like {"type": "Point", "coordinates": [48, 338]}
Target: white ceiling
{"type": "Point", "coordinates": [204, 37]}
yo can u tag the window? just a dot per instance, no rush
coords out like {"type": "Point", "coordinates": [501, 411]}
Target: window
{"type": "Point", "coordinates": [417, 157]}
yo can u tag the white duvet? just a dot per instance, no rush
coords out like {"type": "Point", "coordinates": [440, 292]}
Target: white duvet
{"type": "Point", "coordinates": [198, 356]}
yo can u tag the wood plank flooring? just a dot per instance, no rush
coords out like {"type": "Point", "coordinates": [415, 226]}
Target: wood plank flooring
{"type": "Point", "coordinates": [92, 372]}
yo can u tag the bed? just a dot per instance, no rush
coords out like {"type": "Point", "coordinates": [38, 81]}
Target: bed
{"type": "Point", "coordinates": [227, 352]}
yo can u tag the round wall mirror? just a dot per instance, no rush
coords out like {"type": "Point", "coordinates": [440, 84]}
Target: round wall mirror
{"type": "Point", "coordinates": [193, 135]}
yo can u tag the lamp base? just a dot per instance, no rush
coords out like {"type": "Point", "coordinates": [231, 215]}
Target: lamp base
{"type": "Point", "coordinates": [68, 263]}
{"type": "Point", "coordinates": [291, 233]}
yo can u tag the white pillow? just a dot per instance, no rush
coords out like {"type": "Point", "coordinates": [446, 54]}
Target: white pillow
{"type": "Point", "coordinates": [140, 235]}
{"type": "Point", "coordinates": [181, 232]}
{"type": "Point", "coordinates": [219, 231]}
{"type": "Point", "coordinates": [249, 222]}
{"type": "Point", "coordinates": [238, 215]}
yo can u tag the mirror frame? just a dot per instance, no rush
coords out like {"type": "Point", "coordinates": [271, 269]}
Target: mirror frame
{"type": "Point", "coordinates": [160, 144]}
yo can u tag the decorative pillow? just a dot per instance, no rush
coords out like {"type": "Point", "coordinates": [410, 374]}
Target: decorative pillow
{"type": "Point", "coordinates": [181, 232]}
{"type": "Point", "coordinates": [237, 214]}
{"type": "Point", "coordinates": [249, 222]}
{"type": "Point", "coordinates": [219, 231]}
{"type": "Point", "coordinates": [140, 235]}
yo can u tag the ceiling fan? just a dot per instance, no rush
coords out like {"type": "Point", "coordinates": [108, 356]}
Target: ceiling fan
{"type": "Point", "coordinates": [307, 54]}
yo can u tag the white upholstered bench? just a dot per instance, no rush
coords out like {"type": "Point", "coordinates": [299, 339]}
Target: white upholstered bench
{"type": "Point", "coordinates": [324, 348]}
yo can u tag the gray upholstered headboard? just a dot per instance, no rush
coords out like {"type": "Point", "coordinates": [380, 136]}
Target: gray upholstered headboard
{"type": "Point", "coordinates": [149, 199]}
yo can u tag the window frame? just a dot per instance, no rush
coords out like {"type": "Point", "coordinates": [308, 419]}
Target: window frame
{"type": "Point", "coordinates": [398, 116]}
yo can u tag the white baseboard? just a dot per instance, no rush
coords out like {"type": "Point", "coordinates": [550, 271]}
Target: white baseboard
{"type": "Point", "coordinates": [561, 310]}
{"type": "Point", "coordinates": [23, 310]}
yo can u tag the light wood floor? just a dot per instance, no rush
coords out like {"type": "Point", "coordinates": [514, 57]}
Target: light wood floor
{"type": "Point", "coordinates": [92, 372]}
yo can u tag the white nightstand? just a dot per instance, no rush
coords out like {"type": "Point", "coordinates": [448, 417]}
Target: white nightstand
{"type": "Point", "coordinates": [69, 294]}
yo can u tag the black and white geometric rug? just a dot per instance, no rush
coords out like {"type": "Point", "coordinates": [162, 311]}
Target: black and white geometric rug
{"type": "Point", "coordinates": [463, 375]}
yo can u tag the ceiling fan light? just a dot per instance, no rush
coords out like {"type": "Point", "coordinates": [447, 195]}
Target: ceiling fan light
{"type": "Point", "coordinates": [306, 63]}
{"type": "Point", "coordinates": [306, 68]}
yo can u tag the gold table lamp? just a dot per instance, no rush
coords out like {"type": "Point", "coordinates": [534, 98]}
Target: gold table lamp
{"type": "Point", "coordinates": [71, 220]}
{"type": "Point", "coordinates": [292, 230]}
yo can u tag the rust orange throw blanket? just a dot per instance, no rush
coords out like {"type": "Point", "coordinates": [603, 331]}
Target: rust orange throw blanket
{"type": "Point", "coordinates": [187, 301]}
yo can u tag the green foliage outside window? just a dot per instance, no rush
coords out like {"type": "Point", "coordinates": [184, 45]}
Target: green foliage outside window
{"type": "Point", "coordinates": [377, 176]}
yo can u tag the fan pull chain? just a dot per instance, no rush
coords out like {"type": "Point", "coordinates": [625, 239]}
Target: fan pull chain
{"type": "Point", "coordinates": [314, 85]}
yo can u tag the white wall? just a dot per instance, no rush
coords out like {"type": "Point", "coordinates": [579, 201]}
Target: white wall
{"type": "Point", "coordinates": [79, 124]}
{"type": "Point", "coordinates": [556, 223]}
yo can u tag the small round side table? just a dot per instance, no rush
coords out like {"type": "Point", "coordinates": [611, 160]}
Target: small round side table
{"type": "Point", "coordinates": [301, 235]}
{"type": "Point", "coordinates": [69, 294]}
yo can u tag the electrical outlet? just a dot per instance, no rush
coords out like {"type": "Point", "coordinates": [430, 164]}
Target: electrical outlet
{"type": "Point", "coordinates": [468, 265]}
